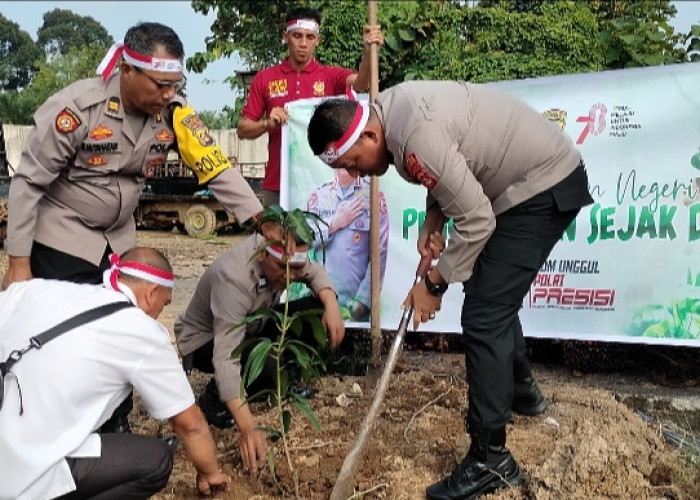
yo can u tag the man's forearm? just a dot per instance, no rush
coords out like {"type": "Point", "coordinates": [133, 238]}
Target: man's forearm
{"type": "Point", "coordinates": [192, 429]}
{"type": "Point", "coordinates": [239, 409]}
{"type": "Point", "coordinates": [364, 73]}
{"type": "Point", "coordinates": [249, 129]}
{"type": "Point", "coordinates": [328, 298]}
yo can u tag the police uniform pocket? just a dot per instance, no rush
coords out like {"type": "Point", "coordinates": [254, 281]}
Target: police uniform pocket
{"type": "Point", "coordinates": [504, 249]}
{"type": "Point", "coordinates": [572, 192]}
{"type": "Point", "coordinates": [503, 272]}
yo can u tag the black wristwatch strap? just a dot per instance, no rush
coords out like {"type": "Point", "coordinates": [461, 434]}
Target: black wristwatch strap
{"type": "Point", "coordinates": [436, 289]}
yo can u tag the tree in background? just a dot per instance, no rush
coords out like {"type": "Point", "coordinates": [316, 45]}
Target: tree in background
{"type": "Point", "coordinates": [69, 48]}
{"type": "Point", "coordinates": [18, 56]}
{"type": "Point", "coordinates": [631, 33]}
{"type": "Point", "coordinates": [693, 41]}
{"type": "Point", "coordinates": [219, 120]}
{"type": "Point", "coordinates": [451, 39]}
{"type": "Point", "coordinates": [64, 31]}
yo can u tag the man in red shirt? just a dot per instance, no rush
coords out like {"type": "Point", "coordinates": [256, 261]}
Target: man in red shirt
{"type": "Point", "coordinates": [298, 76]}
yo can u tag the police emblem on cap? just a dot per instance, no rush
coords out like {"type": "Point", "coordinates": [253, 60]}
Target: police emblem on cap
{"type": "Point", "coordinates": [67, 121]}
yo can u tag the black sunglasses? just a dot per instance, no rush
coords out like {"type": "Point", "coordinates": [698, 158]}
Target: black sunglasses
{"type": "Point", "coordinates": [177, 86]}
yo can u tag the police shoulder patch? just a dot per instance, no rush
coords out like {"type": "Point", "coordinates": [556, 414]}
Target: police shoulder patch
{"type": "Point", "coordinates": [67, 121]}
{"type": "Point", "coordinates": [415, 169]}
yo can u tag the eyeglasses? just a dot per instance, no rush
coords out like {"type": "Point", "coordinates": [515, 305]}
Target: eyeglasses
{"type": "Point", "coordinates": [177, 86]}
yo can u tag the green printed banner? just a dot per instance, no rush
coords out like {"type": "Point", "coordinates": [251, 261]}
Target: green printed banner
{"type": "Point", "coordinates": [628, 268]}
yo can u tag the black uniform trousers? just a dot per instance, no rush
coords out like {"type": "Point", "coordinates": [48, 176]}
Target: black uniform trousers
{"type": "Point", "coordinates": [130, 467]}
{"type": "Point", "coordinates": [493, 295]}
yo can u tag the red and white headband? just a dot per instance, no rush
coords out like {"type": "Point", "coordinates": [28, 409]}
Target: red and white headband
{"type": "Point", "coordinates": [135, 59]}
{"type": "Point", "coordinates": [137, 270]}
{"type": "Point", "coordinates": [302, 24]}
{"type": "Point", "coordinates": [297, 258]}
{"type": "Point", "coordinates": [337, 149]}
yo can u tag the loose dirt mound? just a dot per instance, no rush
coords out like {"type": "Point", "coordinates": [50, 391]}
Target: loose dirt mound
{"type": "Point", "coordinates": [586, 445]}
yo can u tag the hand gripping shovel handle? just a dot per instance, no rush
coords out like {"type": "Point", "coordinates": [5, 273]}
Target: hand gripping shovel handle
{"type": "Point", "coordinates": [344, 483]}
{"type": "Point", "coordinates": [421, 271]}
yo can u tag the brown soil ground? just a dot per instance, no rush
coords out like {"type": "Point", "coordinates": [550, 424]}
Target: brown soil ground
{"type": "Point", "coordinates": [589, 444]}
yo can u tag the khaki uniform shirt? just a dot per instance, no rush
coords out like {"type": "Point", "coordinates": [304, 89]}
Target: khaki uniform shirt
{"type": "Point", "coordinates": [477, 150]}
{"type": "Point", "coordinates": [82, 171]}
{"type": "Point", "coordinates": [227, 292]}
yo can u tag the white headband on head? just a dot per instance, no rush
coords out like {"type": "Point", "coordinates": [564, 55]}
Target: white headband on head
{"type": "Point", "coordinates": [297, 258]}
{"type": "Point", "coordinates": [302, 24]}
{"type": "Point", "coordinates": [135, 59]}
{"type": "Point", "coordinates": [137, 270]}
{"type": "Point", "coordinates": [349, 138]}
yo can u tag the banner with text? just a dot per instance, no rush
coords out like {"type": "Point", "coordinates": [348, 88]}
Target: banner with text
{"type": "Point", "coordinates": [628, 268]}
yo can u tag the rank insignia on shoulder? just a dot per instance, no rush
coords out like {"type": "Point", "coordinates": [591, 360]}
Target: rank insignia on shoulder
{"type": "Point", "coordinates": [67, 121]}
{"type": "Point", "coordinates": [100, 132]}
{"type": "Point", "coordinates": [113, 106]}
{"type": "Point", "coordinates": [415, 169]}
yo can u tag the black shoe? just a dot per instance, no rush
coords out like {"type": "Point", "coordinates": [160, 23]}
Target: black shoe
{"type": "Point", "coordinates": [215, 411]}
{"type": "Point", "coordinates": [473, 478]}
{"type": "Point", "coordinates": [173, 442]}
{"type": "Point", "coordinates": [527, 399]}
{"type": "Point", "coordinates": [303, 391]}
{"type": "Point", "coordinates": [117, 424]}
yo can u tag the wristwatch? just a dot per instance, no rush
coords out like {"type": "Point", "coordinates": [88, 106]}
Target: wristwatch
{"type": "Point", "coordinates": [435, 289]}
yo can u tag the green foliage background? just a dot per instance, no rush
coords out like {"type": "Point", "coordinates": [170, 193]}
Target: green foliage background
{"type": "Point", "coordinates": [480, 41]}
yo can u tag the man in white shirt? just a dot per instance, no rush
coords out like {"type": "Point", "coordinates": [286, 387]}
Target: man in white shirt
{"type": "Point", "coordinates": [57, 396]}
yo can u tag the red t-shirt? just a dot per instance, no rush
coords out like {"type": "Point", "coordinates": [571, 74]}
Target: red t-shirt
{"type": "Point", "coordinates": [280, 84]}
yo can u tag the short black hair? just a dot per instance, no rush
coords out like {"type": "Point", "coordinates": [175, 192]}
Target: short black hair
{"type": "Point", "coordinates": [145, 38]}
{"type": "Point", "coordinates": [303, 13]}
{"type": "Point", "coordinates": [329, 122]}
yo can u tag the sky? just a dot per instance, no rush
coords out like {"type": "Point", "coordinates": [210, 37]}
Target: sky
{"type": "Point", "coordinates": [118, 16]}
{"type": "Point", "coordinates": [192, 27]}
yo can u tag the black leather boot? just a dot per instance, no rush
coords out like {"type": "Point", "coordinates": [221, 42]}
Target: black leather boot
{"type": "Point", "coordinates": [487, 467]}
{"type": "Point", "coordinates": [527, 398]}
{"type": "Point", "coordinates": [215, 410]}
{"type": "Point", "coordinates": [117, 424]}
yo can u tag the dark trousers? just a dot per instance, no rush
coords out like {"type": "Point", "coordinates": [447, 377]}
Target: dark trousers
{"type": "Point", "coordinates": [49, 263]}
{"type": "Point", "coordinates": [201, 359]}
{"type": "Point", "coordinates": [493, 295]}
{"type": "Point", "coordinates": [130, 467]}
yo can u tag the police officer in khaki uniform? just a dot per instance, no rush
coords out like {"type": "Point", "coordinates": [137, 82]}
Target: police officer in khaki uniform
{"type": "Point", "coordinates": [233, 287]}
{"type": "Point", "coordinates": [343, 246]}
{"type": "Point", "coordinates": [512, 183]}
{"type": "Point", "coordinates": [73, 196]}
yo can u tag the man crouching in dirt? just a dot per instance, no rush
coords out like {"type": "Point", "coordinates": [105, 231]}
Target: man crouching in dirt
{"type": "Point", "coordinates": [232, 288]}
{"type": "Point", "coordinates": [53, 399]}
